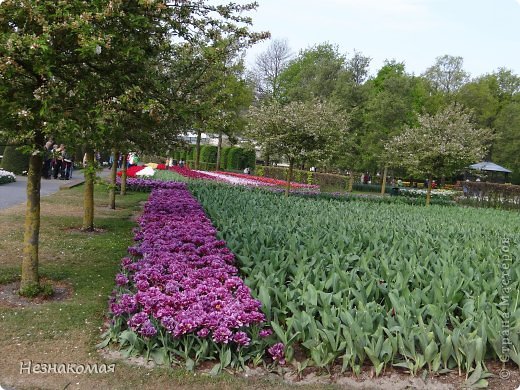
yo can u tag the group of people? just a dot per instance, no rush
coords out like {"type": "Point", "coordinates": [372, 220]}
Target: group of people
{"type": "Point", "coordinates": [57, 163]}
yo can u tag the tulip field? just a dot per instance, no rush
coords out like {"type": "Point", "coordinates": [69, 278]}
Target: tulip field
{"type": "Point", "coordinates": [386, 284]}
{"type": "Point", "coordinates": [240, 275]}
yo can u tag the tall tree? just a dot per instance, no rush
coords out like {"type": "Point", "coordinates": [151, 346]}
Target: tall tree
{"type": "Point", "coordinates": [395, 97]}
{"type": "Point", "coordinates": [358, 67]}
{"type": "Point", "coordinates": [447, 74]}
{"type": "Point", "coordinates": [441, 144]}
{"type": "Point", "coordinates": [506, 147]}
{"type": "Point", "coordinates": [314, 74]}
{"type": "Point", "coordinates": [298, 131]}
{"type": "Point", "coordinates": [269, 65]}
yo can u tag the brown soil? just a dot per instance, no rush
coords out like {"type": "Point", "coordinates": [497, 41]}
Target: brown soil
{"type": "Point", "coordinates": [9, 296]}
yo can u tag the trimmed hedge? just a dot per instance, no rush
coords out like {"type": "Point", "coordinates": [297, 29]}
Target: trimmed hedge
{"type": "Point", "coordinates": [223, 158]}
{"type": "Point", "coordinates": [307, 177]}
{"type": "Point", "coordinates": [14, 160]}
{"type": "Point", "coordinates": [248, 159]}
{"type": "Point", "coordinates": [495, 195]}
{"type": "Point", "coordinates": [208, 154]}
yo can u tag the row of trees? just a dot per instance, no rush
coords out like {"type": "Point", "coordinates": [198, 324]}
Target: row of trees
{"type": "Point", "coordinates": [381, 110]}
{"type": "Point", "coordinates": [120, 75]}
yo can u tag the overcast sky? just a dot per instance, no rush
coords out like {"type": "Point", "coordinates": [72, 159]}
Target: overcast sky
{"type": "Point", "coordinates": [486, 33]}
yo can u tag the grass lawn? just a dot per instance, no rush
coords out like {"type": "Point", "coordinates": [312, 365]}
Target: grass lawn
{"type": "Point", "coordinates": [67, 331]}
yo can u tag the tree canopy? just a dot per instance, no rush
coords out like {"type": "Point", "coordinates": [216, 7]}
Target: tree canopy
{"type": "Point", "coordinates": [440, 144]}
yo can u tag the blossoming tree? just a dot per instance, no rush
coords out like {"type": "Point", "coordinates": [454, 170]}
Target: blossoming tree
{"type": "Point", "coordinates": [297, 131]}
{"type": "Point", "coordinates": [440, 145]}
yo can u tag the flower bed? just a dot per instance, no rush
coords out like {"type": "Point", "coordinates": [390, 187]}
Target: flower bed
{"type": "Point", "coordinates": [6, 177]}
{"type": "Point", "coordinates": [131, 171]}
{"type": "Point", "coordinates": [191, 174]}
{"type": "Point", "coordinates": [244, 181]}
{"type": "Point", "coordinates": [418, 192]}
{"type": "Point", "coordinates": [179, 296]}
{"type": "Point", "coordinates": [270, 181]}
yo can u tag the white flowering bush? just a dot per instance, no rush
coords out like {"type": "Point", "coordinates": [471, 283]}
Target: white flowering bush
{"type": "Point", "coordinates": [6, 177]}
{"type": "Point", "coordinates": [438, 193]}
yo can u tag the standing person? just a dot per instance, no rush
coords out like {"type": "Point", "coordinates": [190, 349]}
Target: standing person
{"type": "Point", "coordinates": [47, 160]}
{"type": "Point", "coordinates": [57, 158]}
{"type": "Point", "coordinates": [69, 165]}
{"type": "Point", "coordinates": [65, 164]}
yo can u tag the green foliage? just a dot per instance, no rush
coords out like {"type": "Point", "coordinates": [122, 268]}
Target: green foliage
{"type": "Point", "coordinates": [313, 74]}
{"type": "Point", "coordinates": [298, 131]}
{"type": "Point", "coordinates": [14, 160]}
{"type": "Point", "coordinates": [505, 148]}
{"type": "Point", "coordinates": [208, 154]}
{"type": "Point", "coordinates": [381, 283]}
{"type": "Point", "coordinates": [482, 194]}
{"type": "Point", "coordinates": [247, 159]}
{"type": "Point", "coordinates": [223, 157]}
{"type": "Point", "coordinates": [35, 290]}
{"type": "Point", "coordinates": [234, 158]}
{"type": "Point", "coordinates": [442, 143]}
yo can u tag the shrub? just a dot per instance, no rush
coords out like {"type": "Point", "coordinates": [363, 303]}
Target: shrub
{"type": "Point", "coordinates": [247, 158]}
{"type": "Point", "coordinates": [307, 177]}
{"type": "Point", "coordinates": [34, 290]}
{"type": "Point", "coordinates": [223, 157]}
{"type": "Point", "coordinates": [491, 195]}
{"type": "Point", "coordinates": [208, 154]}
{"type": "Point", "coordinates": [14, 160]}
{"type": "Point", "coordinates": [6, 177]}
{"type": "Point", "coordinates": [233, 159]}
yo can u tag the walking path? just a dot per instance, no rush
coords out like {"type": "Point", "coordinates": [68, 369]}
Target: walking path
{"type": "Point", "coordinates": [15, 193]}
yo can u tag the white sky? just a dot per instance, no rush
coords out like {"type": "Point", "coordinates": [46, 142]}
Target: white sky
{"type": "Point", "coordinates": [486, 33]}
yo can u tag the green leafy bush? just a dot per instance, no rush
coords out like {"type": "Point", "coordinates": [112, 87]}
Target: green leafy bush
{"type": "Point", "coordinates": [233, 158]}
{"type": "Point", "coordinates": [14, 160]}
{"type": "Point", "coordinates": [223, 157]}
{"type": "Point", "coordinates": [208, 154]}
{"type": "Point", "coordinates": [6, 177]}
{"type": "Point", "coordinates": [247, 159]}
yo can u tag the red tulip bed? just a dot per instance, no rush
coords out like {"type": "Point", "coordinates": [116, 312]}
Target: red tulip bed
{"type": "Point", "coordinates": [132, 171]}
{"type": "Point", "coordinates": [270, 181]}
{"type": "Point", "coordinates": [191, 174]}
{"type": "Point", "coordinates": [240, 179]}
{"type": "Point", "coordinates": [179, 297]}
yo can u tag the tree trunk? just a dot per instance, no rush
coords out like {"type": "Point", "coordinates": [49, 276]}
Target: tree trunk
{"type": "Point", "coordinates": [219, 151]}
{"type": "Point", "coordinates": [267, 162]}
{"type": "Point", "coordinates": [31, 237]}
{"type": "Point", "coordinates": [197, 149]}
{"type": "Point", "coordinates": [113, 176]}
{"type": "Point", "coordinates": [383, 183]}
{"type": "Point", "coordinates": [123, 174]}
{"type": "Point", "coordinates": [88, 200]}
{"type": "Point", "coordinates": [350, 181]}
{"type": "Point", "coordinates": [289, 177]}
{"type": "Point", "coordinates": [429, 191]}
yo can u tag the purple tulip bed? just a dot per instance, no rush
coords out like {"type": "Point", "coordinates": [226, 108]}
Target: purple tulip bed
{"type": "Point", "coordinates": [178, 297]}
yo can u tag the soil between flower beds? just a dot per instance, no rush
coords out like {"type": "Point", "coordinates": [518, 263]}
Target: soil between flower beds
{"type": "Point", "coordinates": [9, 296]}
